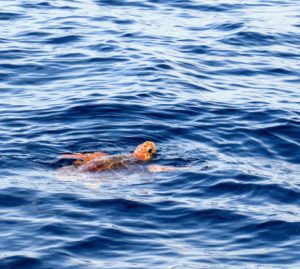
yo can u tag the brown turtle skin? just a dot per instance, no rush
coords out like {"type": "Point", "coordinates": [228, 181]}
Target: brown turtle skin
{"type": "Point", "coordinates": [99, 161]}
{"type": "Point", "coordinates": [108, 163]}
{"type": "Point", "coordinates": [83, 157]}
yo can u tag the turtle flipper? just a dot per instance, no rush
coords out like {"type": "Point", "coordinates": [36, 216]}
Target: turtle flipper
{"type": "Point", "coordinates": [159, 168]}
{"type": "Point", "coordinates": [72, 156]}
{"type": "Point", "coordinates": [83, 155]}
{"type": "Point", "coordinates": [82, 158]}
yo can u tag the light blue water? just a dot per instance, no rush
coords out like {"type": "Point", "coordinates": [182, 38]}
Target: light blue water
{"type": "Point", "coordinates": [215, 84]}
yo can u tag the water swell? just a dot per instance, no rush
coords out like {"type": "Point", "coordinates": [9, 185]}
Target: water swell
{"type": "Point", "coordinates": [214, 85]}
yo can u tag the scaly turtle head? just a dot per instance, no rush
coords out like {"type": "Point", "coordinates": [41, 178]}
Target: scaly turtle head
{"type": "Point", "coordinates": [145, 151]}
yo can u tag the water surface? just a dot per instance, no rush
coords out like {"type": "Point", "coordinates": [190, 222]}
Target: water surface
{"type": "Point", "coordinates": [215, 84]}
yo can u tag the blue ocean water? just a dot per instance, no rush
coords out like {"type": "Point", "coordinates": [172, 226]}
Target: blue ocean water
{"type": "Point", "coordinates": [215, 84]}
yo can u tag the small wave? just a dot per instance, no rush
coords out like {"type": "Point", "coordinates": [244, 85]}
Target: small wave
{"type": "Point", "coordinates": [8, 16]}
{"type": "Point", "coordinates": [17, 261]}
{"type": "Point", "coordinates": [248, 38]}
{"type": "Point", "coordinates": [63, 39]}
{"type": "Point", "coordinates": [125, 3]}
{"type": "Point", "coordinates": [14, 197]}
{"type": "Point", "coordinates": [260, 192]}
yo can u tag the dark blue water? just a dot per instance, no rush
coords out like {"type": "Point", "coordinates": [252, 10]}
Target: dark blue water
{"type": "Point", "coordinates": [215, 84]}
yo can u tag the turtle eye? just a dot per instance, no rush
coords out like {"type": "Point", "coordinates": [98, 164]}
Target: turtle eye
{"type": "Point", "coordinates": [149, 150]}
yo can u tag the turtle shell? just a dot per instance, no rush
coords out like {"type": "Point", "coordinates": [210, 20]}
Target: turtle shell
{"type": "Point", "coordinates": [108, 163]}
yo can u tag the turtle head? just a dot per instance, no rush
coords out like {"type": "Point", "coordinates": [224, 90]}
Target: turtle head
{"type": "Point", "coordinates": [145, 151]}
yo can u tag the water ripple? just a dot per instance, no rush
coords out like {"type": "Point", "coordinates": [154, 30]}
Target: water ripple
{"type": "Point", "coordinates": [214, 85]}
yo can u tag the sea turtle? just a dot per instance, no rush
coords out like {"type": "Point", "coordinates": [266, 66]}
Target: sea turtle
{"type": "Point", "coordinates": [99, 161]}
